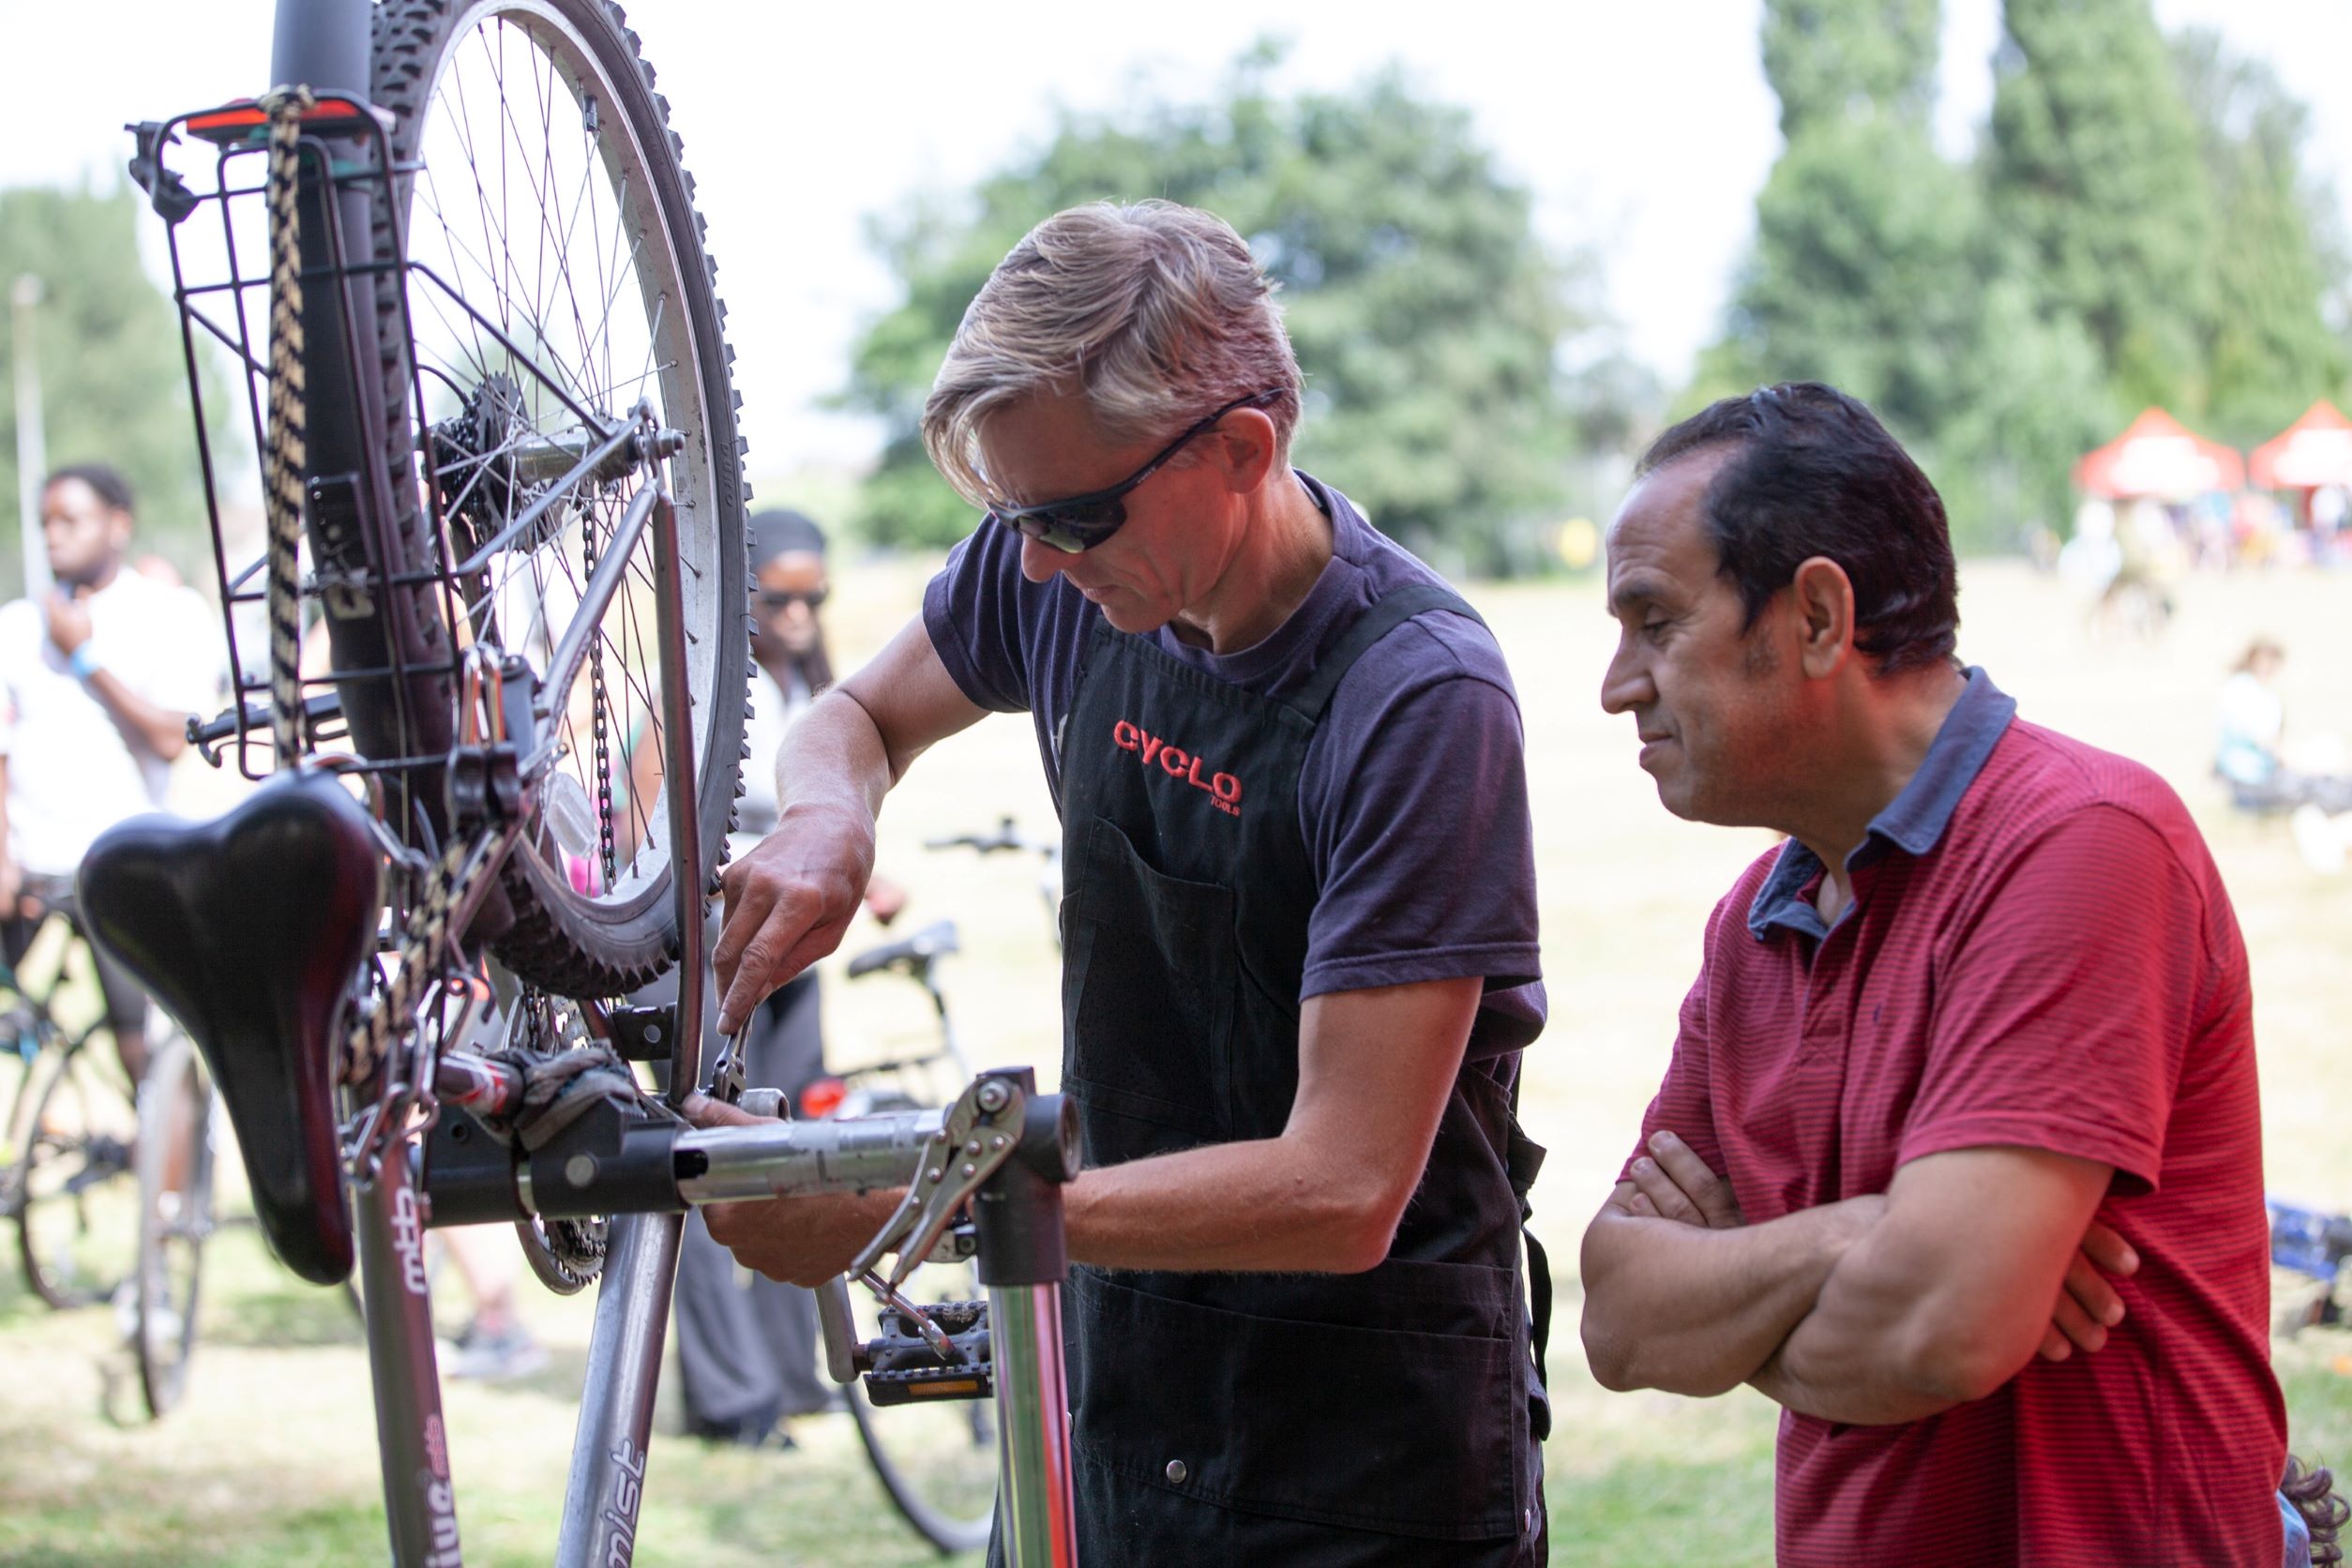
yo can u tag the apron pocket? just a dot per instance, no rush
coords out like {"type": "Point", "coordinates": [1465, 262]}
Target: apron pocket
{"type": "Point", "coordinates": [1396, 1429]}
{"type": "Point", "coordinates": [1153, 974]}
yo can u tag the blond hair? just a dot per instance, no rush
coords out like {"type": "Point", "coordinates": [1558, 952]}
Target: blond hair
{"type": "Point", "coordinates": [1152, 313]}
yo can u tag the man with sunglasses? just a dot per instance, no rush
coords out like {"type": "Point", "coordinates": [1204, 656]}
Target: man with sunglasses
{"type": "Point", "coordinates": [1300, 923]}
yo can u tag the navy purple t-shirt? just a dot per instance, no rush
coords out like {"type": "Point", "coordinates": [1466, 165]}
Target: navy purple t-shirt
{"type": "Point", "coordinates": [1413, 802]}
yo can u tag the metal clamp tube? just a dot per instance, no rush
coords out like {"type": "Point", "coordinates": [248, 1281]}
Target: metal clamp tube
{"type": "Point", "coordinates": [716, 1165]}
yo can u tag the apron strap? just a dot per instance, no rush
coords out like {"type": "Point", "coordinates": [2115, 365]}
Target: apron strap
{"type": "Point", "coordinates": [1385, 616]}
{"type": "Point", "coordinates": [1523, 1159]}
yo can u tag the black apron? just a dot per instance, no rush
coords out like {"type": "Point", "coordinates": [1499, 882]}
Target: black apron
{"type": "Point", "coordinates": [1260, 1418]}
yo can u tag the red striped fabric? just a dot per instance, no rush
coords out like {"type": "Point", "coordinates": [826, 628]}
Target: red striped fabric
{"type": "Point", "coordinates": [2062, 971]}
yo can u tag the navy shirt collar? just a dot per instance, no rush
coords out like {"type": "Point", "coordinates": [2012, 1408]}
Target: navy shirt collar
{"type": "Point", "coordinates": [1913, 821]}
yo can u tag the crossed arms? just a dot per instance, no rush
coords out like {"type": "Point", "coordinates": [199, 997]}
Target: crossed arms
{"type": "Point", "coordinates": [1873, 1310]}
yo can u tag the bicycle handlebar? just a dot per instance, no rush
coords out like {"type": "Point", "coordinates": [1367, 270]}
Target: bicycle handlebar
{"type": "Point", "coordinates": [320, 710]}
{"type": "Point", "coordinates": [1006, 837]}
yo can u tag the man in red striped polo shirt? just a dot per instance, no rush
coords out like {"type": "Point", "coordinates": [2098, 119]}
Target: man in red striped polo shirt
{"type": "Point", "coordinates": [1958, 1157]}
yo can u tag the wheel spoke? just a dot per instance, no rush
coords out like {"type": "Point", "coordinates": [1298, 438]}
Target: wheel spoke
{"type": "Point", "coordinates": [547, 219]}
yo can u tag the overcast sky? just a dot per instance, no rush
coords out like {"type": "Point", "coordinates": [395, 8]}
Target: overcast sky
{"type": "Point", "coordinates": [1643, 130]}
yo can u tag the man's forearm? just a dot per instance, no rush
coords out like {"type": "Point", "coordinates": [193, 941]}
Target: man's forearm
{"type": "Point", "coordinates": [1870, 1351]}
{"type": "Point", "coordinates": [1699, 1311]}
{"type": "Point", "coordinates": [1264, 1204]}
{"type": "Point", "coordinates": [834, 757]}
{"type": "Point", "coordinates": [156, 730]}
{"type": "Point", "coordinates": [1227, 1206]}
{"type": "Point", "coordinates": [1970, 1273]}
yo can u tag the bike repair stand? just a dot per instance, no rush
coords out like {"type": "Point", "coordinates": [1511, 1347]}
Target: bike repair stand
{"type": "Point", "coordinates": [1022, 1262]}
{"type": "Point", "coordinates": [1007, 1152]}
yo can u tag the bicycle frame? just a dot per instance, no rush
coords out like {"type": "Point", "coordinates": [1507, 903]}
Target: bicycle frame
{"type": "Point", "coordinates": [325, 44]}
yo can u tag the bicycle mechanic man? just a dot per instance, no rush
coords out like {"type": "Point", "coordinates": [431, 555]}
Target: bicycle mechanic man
{"type": "Point", "coordinates": [1300, 920]}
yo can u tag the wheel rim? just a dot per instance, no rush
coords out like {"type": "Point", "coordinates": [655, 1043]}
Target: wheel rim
{"type": "Point", "coordinates": [546, 219]}
{"type": "Point", "coordinates": [176, 1210]}
{"type": "Point", "coordinates": [77, 1204]}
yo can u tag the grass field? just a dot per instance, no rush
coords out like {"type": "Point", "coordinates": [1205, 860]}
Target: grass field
{"type": "Point", "coordinates": [270, 1460]}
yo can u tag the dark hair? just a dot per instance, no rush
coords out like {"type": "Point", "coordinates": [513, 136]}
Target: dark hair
{"type": "Point", "coordinates": [2312, 1491]}
{"type": "Point", "coordinates": [108, 485]}
{"type": "Point", "coordinates": [782, 533]}
{"type": "Point", "coordinates": [1811, 473]}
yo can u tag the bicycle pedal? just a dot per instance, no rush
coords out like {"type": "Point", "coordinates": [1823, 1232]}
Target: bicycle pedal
{"type": "Point", "coordinates": [906, 1369]}
{"type": "Point", "coordinates": [104, 1159]}
{"type": "Point", "coordinates": [952, 1318]}
{"type": "Point", "coordinates": [931, 1385]}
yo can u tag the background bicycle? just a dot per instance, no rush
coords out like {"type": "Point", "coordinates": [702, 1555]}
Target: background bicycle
{"type": "Point", "coordinates": [66, 1186]}
{"type": "Point", "coordinates": [937, 1462]}
{"type": "Point", "coordinates": [107, 1184]}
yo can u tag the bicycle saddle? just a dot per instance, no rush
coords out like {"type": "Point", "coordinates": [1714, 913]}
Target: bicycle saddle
{"type": "Point", "coordinates": [931, 941]}
{"type": "Point", "coordinates": [249, 928]}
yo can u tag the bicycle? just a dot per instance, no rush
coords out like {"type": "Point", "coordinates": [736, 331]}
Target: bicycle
{"type": "Point", "coordinates": [937, 1462]}
{"type": "Point", "coordinates": [1009, 839]}
{"type": "Point", "coordinates": [67, 1181]}
{"type": "Point", "coordinates": [2313, 1244]}
{"type": "Point", "coordinates": [110, 1185]}
{"type": "Point", "coordinates": [559, 579]}
{"type": "Point", "coordinates": [174, 1168]}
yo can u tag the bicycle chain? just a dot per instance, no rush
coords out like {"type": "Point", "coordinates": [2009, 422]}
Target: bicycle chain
{"type": "Point", "coordinates": [289, 431]}
{"type": "Point", "coordinates": [392, 1016]}
{"type": "Point", "coordinates": [597, 704]}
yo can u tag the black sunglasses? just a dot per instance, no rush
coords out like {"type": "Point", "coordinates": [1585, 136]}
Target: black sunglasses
{"type": "Point", "coordinates": [813, 597]}
{"type": "Point", "coordinates": [1080, 523]}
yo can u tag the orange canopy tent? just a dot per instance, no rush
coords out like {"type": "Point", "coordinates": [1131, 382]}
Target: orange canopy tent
{"type": "Point", "coordinates": [2315, 450]}
{"type": "Point", "coordinates": [2160, 456]}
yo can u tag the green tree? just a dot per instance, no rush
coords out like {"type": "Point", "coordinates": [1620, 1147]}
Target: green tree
{"type": "Point", "coordinates": [114, 381]}
{"type": "Point", "coordinates": [1862, 271]}
{"type": "Point", "coordinates": [2030, 395]}
{"type": "Point", "coordinates": [2269, 351]}
{"type": "Point", "coordinates": [1868, 264]}
{"type": "Point", "coordinates": [1828, 60]}
{"type": "Point", "coordinates": [2095, 169]}
{"type": "Point", "coordinates": [1427, 314]}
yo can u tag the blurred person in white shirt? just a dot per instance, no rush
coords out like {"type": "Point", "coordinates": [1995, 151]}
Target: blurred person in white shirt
{"type": "Point", "coordinates": [98, 678]}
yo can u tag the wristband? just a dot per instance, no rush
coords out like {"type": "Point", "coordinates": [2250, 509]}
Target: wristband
{"type": "Point", "coordinates": [85, 662]}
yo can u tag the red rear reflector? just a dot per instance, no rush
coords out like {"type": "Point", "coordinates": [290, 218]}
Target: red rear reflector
{"type": "Point", "coordinates": [246, 116]}
{"type": "Point", "coordinates": [226, 119]}
{"type": "Point", "coordinates": [822, 1098]}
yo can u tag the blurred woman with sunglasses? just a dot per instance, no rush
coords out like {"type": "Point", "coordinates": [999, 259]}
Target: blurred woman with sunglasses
{"type": "Point", "coordinates": [747, 1351]}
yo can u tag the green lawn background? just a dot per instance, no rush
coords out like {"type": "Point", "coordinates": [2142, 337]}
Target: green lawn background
{"type": "Point", "coordinates": [270, 1460]}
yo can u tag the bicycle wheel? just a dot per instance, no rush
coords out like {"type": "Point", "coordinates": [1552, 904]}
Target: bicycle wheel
{"type": "Point", "coordinates": [541, 194]}
{"type": "Point", "coordinates": [937, 1461]}
{"type": "Point", "coordinates": [20, 1051]}
{"type": "Point", "coordinates": [174, 1166]}
{"type": "Point", "coordinates": [76, 1200]}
